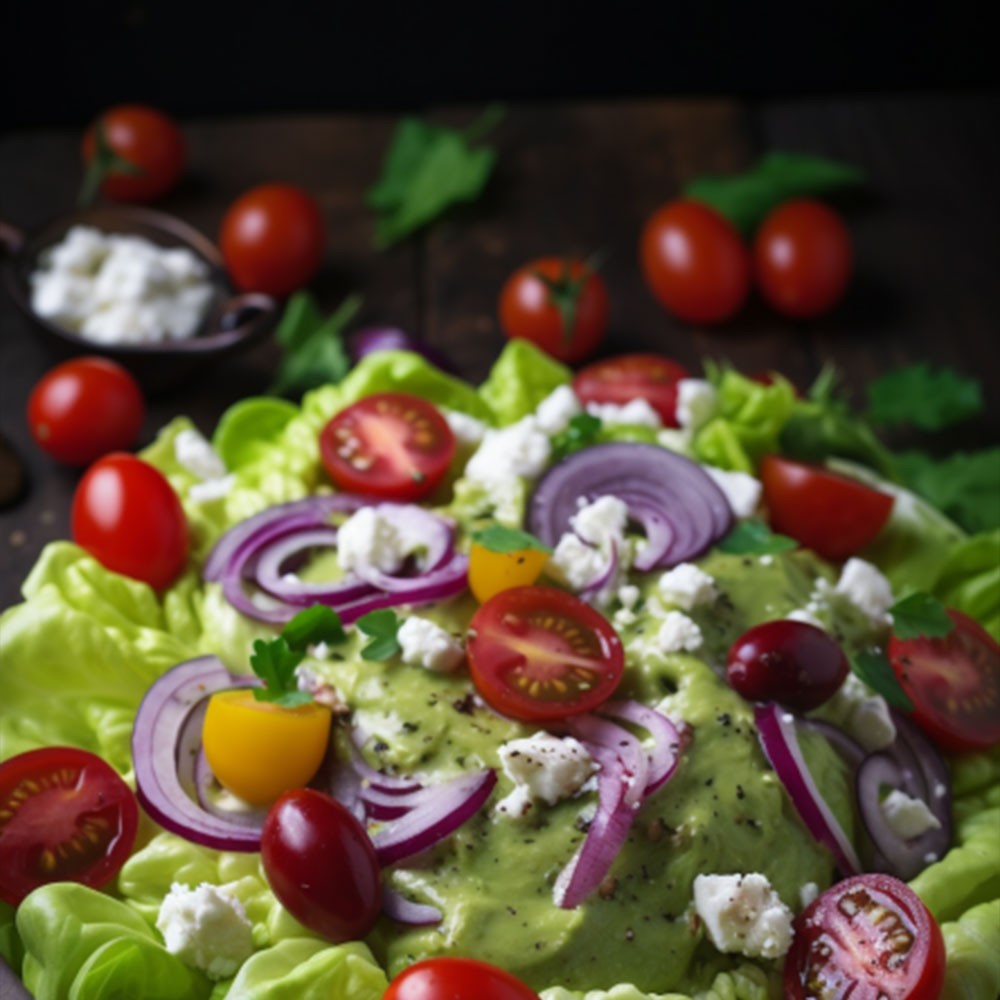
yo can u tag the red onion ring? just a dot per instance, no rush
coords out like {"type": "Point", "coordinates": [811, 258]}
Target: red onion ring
{"type": "Point", "coordinates": [664, 754]}
{"type": "Point", "coordinates": [593, 731]}
{"type": "Point", "coordinates": [269, 572]}
{"type": "Point", "coordinates": [776, 728]}
{"type": "Point", "coordinates": [405, 911]}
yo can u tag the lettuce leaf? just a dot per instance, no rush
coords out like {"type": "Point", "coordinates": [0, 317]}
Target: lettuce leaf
{"type": "Point", "coordinates": [973, 946]}
{"type": "Point", "coordinates": [519, 380]}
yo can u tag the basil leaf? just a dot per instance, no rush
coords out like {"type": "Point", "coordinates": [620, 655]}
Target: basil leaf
{"type": "Point", "coordinates": [745, 199]}
{"type": "Point", "coordinates": [316, 624]}
{"type": "Point", "coordinates": [918, 615]}
{"type": "Point", "coordinates": [874, 668]}
{"type": "Point", "coordinates": [929, 398]}
{"type": "Point", "coordinates": [753, 538]}
{"type": "Point", "coordinates": [383, 627]}
{"type": "Point", "coordinates": [498, 538]}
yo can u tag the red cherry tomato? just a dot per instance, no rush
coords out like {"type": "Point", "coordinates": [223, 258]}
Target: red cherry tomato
{"type": "Point", "coordinates": [868, 936]}
{"type": "Point", "coordinates": [559, 305]}
{"type": "Point", "coordinates": [147, 139]}
{"type": "Point", "coordinates": [954, 684]}
{"type": "Point", "coordinates": [830, 514]}
{"type": "Point", "coordinates": [388, 445]}
{"type": "Point", "coordinates": [633, 376]}
{"type": "Point", "coordinates": [695, 262]}
{"type": "Point", "coordinates": [790, 662]}
{"type": "Point", "coordinates": [272, 239]}
{"type": "Point", "coordinates": [85, 408]}
{"type": "Point", "coordinates": [127, 516]}
{"type": "Point", "coordinates": [802, 258]}
{"type": "Point", "coordinates": [538, 654]}
{"type": "Point", "coordinates": [65, 815]}
{"type": "Point", "coordinates": [456, 979]}
{"type": "Point", "coordinates": [321, 864]}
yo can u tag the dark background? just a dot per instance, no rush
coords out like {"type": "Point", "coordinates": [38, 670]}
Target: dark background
{"type": "Point", "coordinates": [61, 62]}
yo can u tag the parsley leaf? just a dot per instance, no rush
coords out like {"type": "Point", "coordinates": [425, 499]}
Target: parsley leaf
{"type": "Point", "coordinates": [313, 347]}
{"type": "Point", "coordinates": [965, 486]}
{"type": "Point", "coordinates": [580, 433]}
{"type": "Point", "coordinates": [928, 398]}
{"type": "Point", "coordinates": [874, 668]}
{"type": "Point", "coordinates": [744, 199]}
{"type": "Point", "coordinates": [426, 170]}
{"type": "Point", "coordinates": [920, 614]}
{"type": "Point", "coordinates": [316, 624]}
{"type": "Point", "coordinates": [383, 627]}
{"type": "Point", "coordinates": [498, 538]}
{"type": "Point", "coordinates": [753, 538]}
{"type": "Point", "coordinates": [275, 662]}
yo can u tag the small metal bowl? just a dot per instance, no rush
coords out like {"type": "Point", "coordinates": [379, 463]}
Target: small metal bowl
{"type": "Point", "coordinates": [232, 323]}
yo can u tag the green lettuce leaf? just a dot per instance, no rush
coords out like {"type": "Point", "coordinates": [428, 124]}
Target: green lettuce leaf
{"type": "Point", "coordinates": [973, 946]}
{"type": "Point", "coordinates": [519, 380]}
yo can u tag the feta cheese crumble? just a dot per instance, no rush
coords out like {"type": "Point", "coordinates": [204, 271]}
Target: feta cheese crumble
{"type": "Point", "coordinates": [635, 413]}
{"type": "Point", "coordinates": [867, 589]}
{"type": "Point", "coordinates": [582, 555]}
{"type": "Point", "coordinates": [467, 430]}
{"type": "Point", "coordinates": [906, 816]}
{"type": "Point", "coordinates": [678, 634]}
{"type": "Point", "coordinates": [697, 401]}
{"type": "Point", "coordinates": [206, 928]}
{"type": "Point", "coordinates": [743, 914]}
{"type": "Point", "coordinates": [557, 409]}
{"type": "Point", "coordinates": [371, 538]}
{"type": "Point", "coordinates": [543, 767]}
{"type": "Point", "coordinates": [687, 586]}
{"type": "Point", "coordinates": [864, 715]}
{"type": "Point", "coordinates": [424, 643]}
{"type": "Point", "coordinates": [742, 491]}
{"type": "Point", "coordinates": [194, 452]}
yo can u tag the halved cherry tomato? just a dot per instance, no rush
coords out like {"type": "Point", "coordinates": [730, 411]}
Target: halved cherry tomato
{"type": "Point", "coordinates": [490, 572]}
{"type": "Point", "coordinates": [633, 376]}
{"type": "Point", "coordinates": [538, 653]}
{"type": "Point", "coordinates": [389, 445]}
{"type": "Point", "coordinates": [84, 408]}
{"type": "Point", "coordinates": [868, 936]}
{"type": "Point", "coordinates": [560, 305]}
{"type": "Point", "coordinates": [65, 815]}
{"type": "Point", "coordinates": [695, 262]}
{"type": "Point", "coordinates": [954, 684]}
{"type": "Point", "coordinates": [457, 979]}
{"type": "Point", "coordinates": [828, 513]}
{"type": "Point", "coordinates": [128, 517]}
{"type": "Point", "coordinates": [257, 749]}
{"type": "Point", "coordinates": [321, 864]}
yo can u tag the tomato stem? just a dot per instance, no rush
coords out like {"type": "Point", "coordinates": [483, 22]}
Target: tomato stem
{"type": "Point", "coordinates": [106, 161]}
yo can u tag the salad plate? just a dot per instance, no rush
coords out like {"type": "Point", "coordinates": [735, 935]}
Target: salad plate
{"type": "Point", "coordinates": [586, 890]}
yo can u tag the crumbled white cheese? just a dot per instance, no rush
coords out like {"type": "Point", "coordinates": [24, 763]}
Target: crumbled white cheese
{"type": "Point", "coordinates": [467, 430]}
{"type": "Point", "coordinates": [424, 643]}
{"type": "Point", "coordinates": [116, 289]}
{"type": "Point", "coordinates": [636, 412]}
{"type": "Point", "coordinates": [687, 586]}
{"type": "Point", "coordinates": [742, 491]}
{"type": "Point", "coordinates": [678, 634]}
{"type": "Point", "coordinates": [805, 616]}
{"type": "Point", "coordinates": [906, 816]}
{"type": "Point", "coordinates": [211, 489]}
{"type": "Point", "coordinates": [373, 537]}
{"type": "Point", "coordinates": [193, 451]}
{"type": "Point", "coordinates": [629, 595]}
{"type": "Point", "coordinates": [206, 928]}
{"type": "Point", "coordinates": [576, 563]}
{"type": "Point", "coordinates": [557, 409]}
{"type": "Point", "coordinates": [865, 716]}
{"type": "Point", "coordinates": [522, 449]}
{"type": "Point", "coordinates": [545, 767]}
{"type": "Point", "coordinates": [866, 588]}
{"type": "Point", "coordinates": [602, 522]}
{"type": "Point", "coordinates": [697, 402]}
{"type": "Point", "coordinates": [743, 914]}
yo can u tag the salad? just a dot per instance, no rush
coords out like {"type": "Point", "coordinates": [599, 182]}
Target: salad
{"type": "Point", "coordinates": [599, 830]}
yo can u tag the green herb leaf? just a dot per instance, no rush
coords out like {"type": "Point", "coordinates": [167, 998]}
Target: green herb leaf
{"type": "Point", "coordinates": [274, 663]}
{"type": "Point", "coordinates": [745, 199]}
{"type": "Point", "coordinates": [920, 614]}
{"type": "Point", "coordinates": [874, 668]}
{"type": "Point", "coordinates": [580, 433]}
{"type": "Point", "coordinates": [383, 627]}
{"type": "Point", "coordinates": [314, 352]}
{"type": "Point", "coordinates": [965, 486]}
{"type": "Point", "coordinates": [498, 538]}
{"type": "Point", "coordinates": [316, 624]}
{"type": "Point", "coordinates": [426, 170]}
{"type": "Point", "coordinates": [754, 538]}
{"type": "Point", "coordinates": [928, 398]}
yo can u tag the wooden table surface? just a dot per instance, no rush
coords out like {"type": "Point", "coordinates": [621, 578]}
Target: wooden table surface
{"type": "Point", "coordinates": [571, 178]}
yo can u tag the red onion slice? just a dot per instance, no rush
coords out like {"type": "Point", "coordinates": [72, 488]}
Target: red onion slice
{"type": "Point", "coordinates": [397, 907]}
{"type": "Point", "coordinates": [451, 805]}
{"type": "Point", "coordinates": [680, 508]}
{"type": "Point", "coordinates": [591, 730]}
{"type": "Point", "coordinates": [776, 727]}
{"type": "Point", "coordinates": [164, 716]}
{"type": "Point", "coordinates": [270, 573]}
{"type": "Point", "coordinates": [665, 751]}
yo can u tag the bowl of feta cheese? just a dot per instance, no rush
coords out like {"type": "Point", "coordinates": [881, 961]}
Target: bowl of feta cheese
{"type": "Point", "coordinates": [133, 284]}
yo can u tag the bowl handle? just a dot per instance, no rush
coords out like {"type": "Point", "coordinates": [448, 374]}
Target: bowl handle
{"type": "Point", "coordinates": [11, 239]}
{"type": "Point", "coordinates": [242, 314]}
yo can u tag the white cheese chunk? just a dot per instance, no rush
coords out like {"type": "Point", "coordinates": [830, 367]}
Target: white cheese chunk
{"type": "Point", "coordinates": [742, 491]}
{"type": "Point", "coordinates": [697, 401]}
{"type": "Point", "coordinates": [557, 409]}
{"type": "Point", "coordinates": [543, 767]}
{"type": "Point", "coordinates": [602, 522]}
{"type": "Point", "coordinates": [687, 586]}
{"type": "Point", "coordinates": [467, 430]}
{"type": "Point", "coordinates": [424, 643]}
{"type": "Point", "coordinates": [908, 817]}
{"type": "Point", "coordinates": [193, 451]}
{"type": "Point", "coordinates": [678, 634]}
{"type": "Point", "coordinates": [206, 928]}
{"type": "Point", "coordinates": [743, 914]}
{"type": "Point", "coordinates": [866, 588]}
{"type": "Point", "coordinates": [864, 715]}
{"type": "Point", "coordinates": [636, 412]}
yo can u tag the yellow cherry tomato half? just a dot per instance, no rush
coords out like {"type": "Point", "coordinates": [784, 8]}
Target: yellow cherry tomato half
{"type": "Point", "coordinates": [257, 750]}
{"type": "Point", "coordinates": [490, 572]}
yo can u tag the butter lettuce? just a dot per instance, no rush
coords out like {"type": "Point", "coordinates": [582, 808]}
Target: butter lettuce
{"type": "Point", "coordinates": [973, 946]}
{"type": "Point", "coordinates": [519, 380]}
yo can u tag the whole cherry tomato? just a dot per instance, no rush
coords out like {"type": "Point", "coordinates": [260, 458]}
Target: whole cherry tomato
{"type": "Point", "coordinates": [802, 257]}
{"type": "Point", "coordinates": [85, 408]}
{"type": "Point", "coordinates": [695, 262]}
{"type": "Point", "coordinates": [133, 153]}
{"type": "Point", "coordinates": [272, 239]}
{"type": "Point", "coordinates": [560, 305]}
